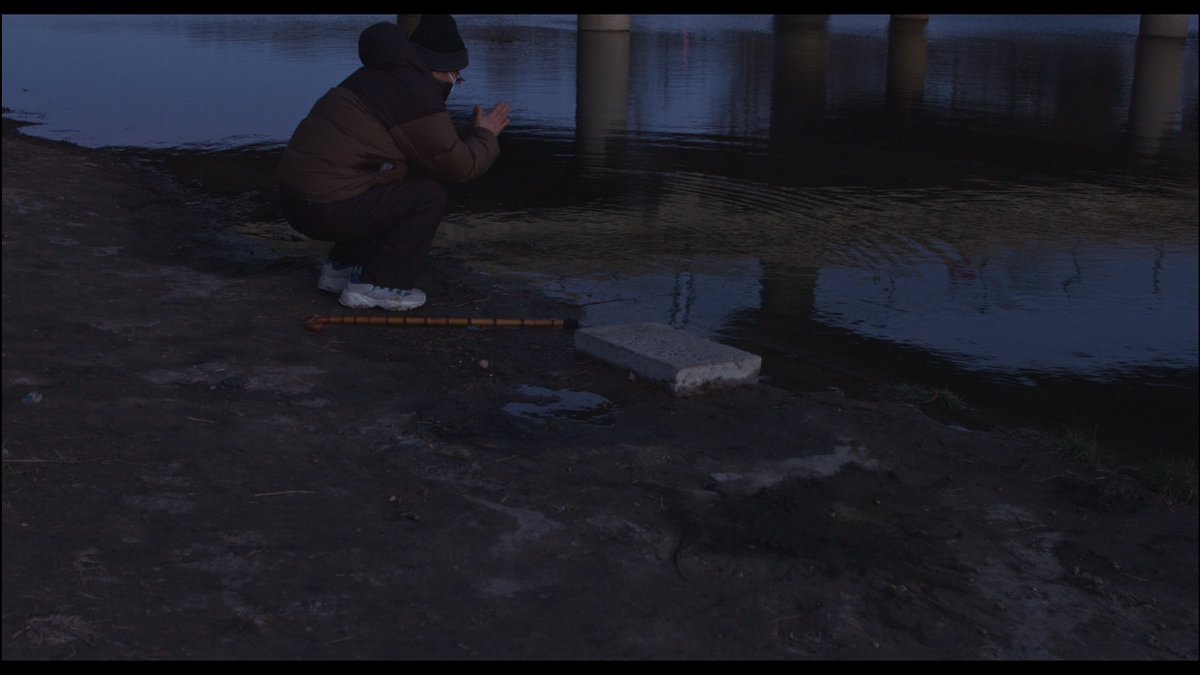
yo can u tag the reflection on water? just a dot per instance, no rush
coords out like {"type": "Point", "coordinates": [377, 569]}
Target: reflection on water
{"type": "Point", "coordinates": [983, 318]}
{"type": "Point", "coordinates": [1008, 200]}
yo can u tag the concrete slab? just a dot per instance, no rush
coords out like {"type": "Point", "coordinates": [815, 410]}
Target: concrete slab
{"type": "Point", "coordinates": [682, 362]}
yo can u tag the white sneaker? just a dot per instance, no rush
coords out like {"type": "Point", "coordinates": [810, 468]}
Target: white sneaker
{"type": "Point", "coordinates": [334, 276]}
{"type": "Point", "coordinates": [362, 295]}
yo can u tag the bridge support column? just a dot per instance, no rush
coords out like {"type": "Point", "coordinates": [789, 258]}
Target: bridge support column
{"type": "Point", "coordinates": [906, 61]}
{"type": "Point", "coordinates": [1157, 81]}
{"type": "Point", "coordinates": [1164, 25]}
{"type": "Point", "coordinates": [800, 65]}
{"type": "Point", "coordinates": [601, 88]}
{"type": "Point", "coordinates": [802, 22]}
{"type": "Point", "coordinates": [604, 22]}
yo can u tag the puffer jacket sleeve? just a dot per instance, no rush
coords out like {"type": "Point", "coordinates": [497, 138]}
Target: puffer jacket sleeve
{"type": "Point", "coordinates": [432, 143]}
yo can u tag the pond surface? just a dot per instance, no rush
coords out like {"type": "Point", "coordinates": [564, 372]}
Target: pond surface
{"type": "Point", "coordinates": [999, 206]}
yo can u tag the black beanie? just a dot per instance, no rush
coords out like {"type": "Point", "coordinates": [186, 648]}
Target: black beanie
{"type": "Point", "coordinates": [436, 40]}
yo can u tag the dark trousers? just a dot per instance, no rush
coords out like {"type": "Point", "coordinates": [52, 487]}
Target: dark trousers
{"type": "Point", "coordinates": [388, 229]}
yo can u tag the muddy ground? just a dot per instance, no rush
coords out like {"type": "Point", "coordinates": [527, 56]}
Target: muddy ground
{"type": "Point", "coordinates": [189, 474]}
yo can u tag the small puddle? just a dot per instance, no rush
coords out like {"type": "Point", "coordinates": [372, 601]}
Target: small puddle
{"type": "Point", "coordinates": [579, 406]}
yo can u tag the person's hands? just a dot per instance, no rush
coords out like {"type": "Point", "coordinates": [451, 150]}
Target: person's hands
{"type": "Point", "coordinates": [493, 120]}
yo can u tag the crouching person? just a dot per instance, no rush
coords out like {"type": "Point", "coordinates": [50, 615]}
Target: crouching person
{"type": "Point", "coordinates": [365, 169]}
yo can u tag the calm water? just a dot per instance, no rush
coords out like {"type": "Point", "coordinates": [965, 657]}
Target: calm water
{"type": "Point", "coordinates": [1005, 206]}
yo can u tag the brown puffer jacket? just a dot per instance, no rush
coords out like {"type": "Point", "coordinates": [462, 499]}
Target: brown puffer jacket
{"type": "Point", "coordinates": [390, 110]}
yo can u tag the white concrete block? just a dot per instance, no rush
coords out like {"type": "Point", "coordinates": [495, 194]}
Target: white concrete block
{"type": "Point", "coordinates": [682, 362]}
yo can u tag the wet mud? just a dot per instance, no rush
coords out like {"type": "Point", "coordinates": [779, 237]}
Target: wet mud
{"type": "Point", "coordinates": [199, 477]}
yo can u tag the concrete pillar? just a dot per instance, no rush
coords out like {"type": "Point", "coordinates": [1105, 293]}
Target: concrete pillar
{"type": "Point", "coordinates": [1164, 25]}
{"type": "Point", "coordinates": [1157, 80]}
{"type": "Point", "coordinates": [601, 88]}
{"type": "Point", "coordinates": [906, 63]}
{"type": "Point", "coordinates": [604, 22]}
{"type": "Point", "coordinates": [790, 22]}
{"type": "Point", "coordinates": [800, 65]}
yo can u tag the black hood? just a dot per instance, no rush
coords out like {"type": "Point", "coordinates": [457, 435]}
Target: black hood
{"type": "Point", "coordinates": [384, 45]}
{"type": "Point", "coordinates": [393, 82]}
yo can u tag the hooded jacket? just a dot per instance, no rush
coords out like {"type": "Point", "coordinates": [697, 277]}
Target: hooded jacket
{"type": "Point", "coordinates": [391, 110]}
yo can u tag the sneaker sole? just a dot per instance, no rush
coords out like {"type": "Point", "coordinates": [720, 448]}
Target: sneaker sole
{"type": "Point", "coordinates": [360, 301]}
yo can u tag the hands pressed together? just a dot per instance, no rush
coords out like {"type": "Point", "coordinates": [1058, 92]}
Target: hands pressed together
{"type": "Point", "coordinates": [493, 120]}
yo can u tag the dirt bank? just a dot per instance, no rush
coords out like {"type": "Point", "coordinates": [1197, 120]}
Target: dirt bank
{"type": "Point", "coordinates": [189, 474]}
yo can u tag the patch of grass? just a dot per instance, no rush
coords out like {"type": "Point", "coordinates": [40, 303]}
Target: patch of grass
{"type": "Point", "coordinates": [911, 393]}
{"type": "Point", "coordinates": [950, 400]}
{"type": "Point", "coordinates": [1078, 445]}
{"type": "Point", "coordinates": [1175, 479]}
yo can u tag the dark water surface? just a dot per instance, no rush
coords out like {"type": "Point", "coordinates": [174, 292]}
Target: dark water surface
{"type": "Point", "coordinates": [1000, 206]}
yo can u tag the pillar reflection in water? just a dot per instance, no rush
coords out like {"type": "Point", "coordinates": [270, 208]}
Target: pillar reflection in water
{"type": "Point", "coordinates": [1156, 85]}
{"type": "Point", "coordinates": [798, 95]}
{"type": "Point", "coordinates": [601, 88]}
{"type": "Point", "coordinates": [907, 45]}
